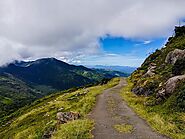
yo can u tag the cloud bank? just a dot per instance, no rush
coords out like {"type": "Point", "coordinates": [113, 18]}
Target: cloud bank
{"type": "Point", "coordinates": [70, 29]}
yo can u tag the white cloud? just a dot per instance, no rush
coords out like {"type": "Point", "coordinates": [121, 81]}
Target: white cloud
{"type": "Point", "coordinates": [147, 42]}
{"type": "Point", "coordinates": [32, 29]}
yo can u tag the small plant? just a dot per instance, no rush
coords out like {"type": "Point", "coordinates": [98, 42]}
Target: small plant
{"type": "Point", "coordinates": [124, 128]}
{"type": "Point", "coordinates": [179, 67]}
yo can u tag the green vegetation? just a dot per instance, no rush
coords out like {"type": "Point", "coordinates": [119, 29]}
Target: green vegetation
{"type": "Point", "coordinates": [78, 129]}
{"type": "Point", "coordinates": [179, 67]}
{"type": "Point", "coordinates": [21, 83]}
{"type": "Point", "coordinates": [163, 70]}
{"type": "Point", "coordinates": [162, 106]}
{"type": "Point", "coordinates": [14, 94]}
{"type": "Point", "coordinates": [5, 100]}
{"type": "Point", "coordinates": [40, 117]}
{"type": "Point", "coordinates": [52, 74]}
{"type": "Point", "coordinates": [124, 128]}
{"type": "Point", "coordinates": [176, 101]}
{"type": "Point", "coordinates": [111, 73]}
{"type": "Point", "coordinates": [163, 119]}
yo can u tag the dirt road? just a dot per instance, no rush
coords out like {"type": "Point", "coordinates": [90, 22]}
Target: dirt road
{"type": "Point", "coordinates": [111, 110]}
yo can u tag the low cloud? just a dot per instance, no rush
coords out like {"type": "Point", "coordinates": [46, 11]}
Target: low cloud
{"type": "Point", "coordinates": [69, 29]}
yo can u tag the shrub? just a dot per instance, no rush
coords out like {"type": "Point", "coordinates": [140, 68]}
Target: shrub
{"type": "Point", "coordinates": [179, 67]}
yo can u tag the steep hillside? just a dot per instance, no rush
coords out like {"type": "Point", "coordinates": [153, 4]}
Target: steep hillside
{"type": "Point", "coordinates": [159, 85]}
{"type": "Point", "coordinates": [38, 120]}
{"type": "Point", "coordinates": [162, 73]}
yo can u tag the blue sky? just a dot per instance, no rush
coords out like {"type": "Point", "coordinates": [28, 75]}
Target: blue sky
{"type": "Point", "coordinates": [125, 52]}
{"type": "Point", "coordinates": [122, 46]}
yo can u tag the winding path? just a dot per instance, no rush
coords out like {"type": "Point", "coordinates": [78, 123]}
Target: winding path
{"type": "Point", "coordinates": [111, 110]}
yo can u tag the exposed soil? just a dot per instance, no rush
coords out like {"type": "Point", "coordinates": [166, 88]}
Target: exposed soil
{"type": "Point", "coordinates": [111, 110]}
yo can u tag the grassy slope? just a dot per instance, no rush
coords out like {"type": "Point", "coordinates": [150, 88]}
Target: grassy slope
{"type": "Point", "coordinates": [166, 115]}
{"type": "Point", "coordinates": [32, 122]}
{"type": "Point", "coordinates": [170, 123]}
{"type": "Point", "coordinates": [163, 72]}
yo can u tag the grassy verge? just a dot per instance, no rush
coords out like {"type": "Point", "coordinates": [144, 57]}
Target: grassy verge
{"type": "Point", "coordinates": [78, 129]}
{"type": "Point", "coordinates": [41, 117]}
{"type": "Point", "coordinates": [166, 122]}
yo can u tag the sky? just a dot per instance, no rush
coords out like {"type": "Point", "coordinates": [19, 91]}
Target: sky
{"type": "Point", "coordinates": [86, 32]}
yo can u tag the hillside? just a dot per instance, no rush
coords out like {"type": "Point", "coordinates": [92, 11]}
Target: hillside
{"type": "Point", "coordinates": [23, 82]}
{"type": "Point", "coordinates": [14, 94]}
{"type": "Point", "coordinates": [160, 85]}
{"type": "Point", "coordinates": [38, 120]}
{"type": "Point", "coordinates": [160, 70]}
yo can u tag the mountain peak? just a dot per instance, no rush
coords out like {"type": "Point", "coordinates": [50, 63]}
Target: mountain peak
{"type": "Point", "coordinates": [47, 61]}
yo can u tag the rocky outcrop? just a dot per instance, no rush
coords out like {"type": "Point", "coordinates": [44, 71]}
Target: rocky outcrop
{"type": "Point", "coordinates": [175, 55]}
{"type": "Point", "coordinates": [64, 117]}
{"type": "Point", "coordinates": [142, 91]}
{"type": "Point", "coordinates": [170, 86]}
{"type": "Point", "coordinates": [151, 70]}
{"type": "Point", "coordinates": [138, 90]}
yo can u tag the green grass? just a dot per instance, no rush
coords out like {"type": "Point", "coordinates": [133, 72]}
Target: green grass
{"type": "Point", "coordinates": [5, 100]}
{"type": "Point", "coordinates": [78, 129]}
{"type": "Point", "coordinates": [166, 122]}
{"type": "Point", "coordinates": [39, 118]}
{"type": "Point", "coordinates": [124, 128]}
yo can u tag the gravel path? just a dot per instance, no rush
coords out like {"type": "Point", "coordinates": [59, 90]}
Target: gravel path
{"type": "Point", "coordinates": [111, 110]}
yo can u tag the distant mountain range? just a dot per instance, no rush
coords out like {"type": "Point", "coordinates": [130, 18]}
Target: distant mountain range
{"type": "Point", "coordinates": [111, 73]}
{"type": "Point", "coordinates": [124, 69]}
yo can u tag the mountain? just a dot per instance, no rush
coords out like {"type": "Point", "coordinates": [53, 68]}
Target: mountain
{"type": "Point", "coordinates": [162, 75]}
{"type": "Point", "coordinates": [124, 69]}
{"type": "Point", "coordinates": [23, 82]}
{"type": "Point", "coordinates": [50, 72]}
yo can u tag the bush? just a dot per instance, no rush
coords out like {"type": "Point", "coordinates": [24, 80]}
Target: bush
{"type": "Point", "coordinates": [179, 67]}
{"type": "Point", "coordinates": [179, 31]}
{"type": "Point", "coordinates": [181, 97]}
